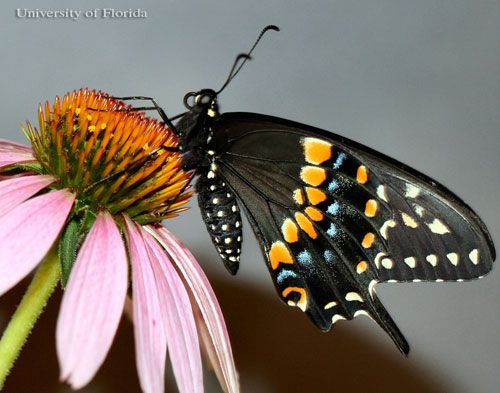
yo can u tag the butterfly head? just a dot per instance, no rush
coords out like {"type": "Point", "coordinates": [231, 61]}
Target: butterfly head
{"type": "Point", "coordinates": [203, 101]}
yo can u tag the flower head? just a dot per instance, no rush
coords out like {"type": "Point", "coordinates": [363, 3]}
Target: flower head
{"type": "Point", "coordinates": [95, 186]}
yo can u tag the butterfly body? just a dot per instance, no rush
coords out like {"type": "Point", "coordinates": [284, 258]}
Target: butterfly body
{"type": "Point", "coordinates": [333, 217]}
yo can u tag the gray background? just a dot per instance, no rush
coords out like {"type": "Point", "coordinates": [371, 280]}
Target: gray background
{"type": "Point", "coordinates": [419, 81]}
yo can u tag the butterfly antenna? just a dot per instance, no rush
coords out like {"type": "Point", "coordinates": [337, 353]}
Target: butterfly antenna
{"type": "Point", "coordinates": [242, 58]}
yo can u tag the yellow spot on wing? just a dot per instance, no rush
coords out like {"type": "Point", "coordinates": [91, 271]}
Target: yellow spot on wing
{"type": "Point", "coordinates": [388, 263]}
{"type": "Point", "coordinates": [279, 253]}
{"type": "Point", "coordinates": [306, 225]}
{"type": "Point", "coordinates": [353, 296]}
{"type": "Point", "coordinates": [453, 257]}
{"type": "Point", "coordinates": [290, 231]}
{"type": "Point", "coordinates": [371, 208]}
{"type": "Point", "coordinates": [411, 262]}
{"type": "Point", "coordinates": [314, 213]}
{"type": "Point", "coordinates": [330, 305]}
{"type": "Point", "coordinates": [409, 221]}
{"type": "Point", "coordinates": [438, 227]}
{"type": "Point", "coordinates": [302, 302]}
{"type": "Point", "coordinates": [474, 256]}
{"type": "Point", "coordinates": [315, 196]}
{"type": "Point", "coordinates": [368, 240]}
{"type": "Point", "coordinates": [337, 317]}
{"type": "Point", "coordinates": [298, 196]}
{"type": "Point", "coordinates": [317, 151]}
{"type": "Point", "coordinates": [432, 259]}
{"type": "Point", "coordinates": [313, 175]}
{"type": "Point", "coordinates": [362, 174]}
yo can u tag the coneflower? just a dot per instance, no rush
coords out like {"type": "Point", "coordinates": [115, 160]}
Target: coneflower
{"type": "Point", "coordinates": [86, 202]}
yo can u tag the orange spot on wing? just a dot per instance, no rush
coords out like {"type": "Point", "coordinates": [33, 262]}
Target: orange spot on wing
{"type": "Point", "coordinates": [306, 225]}
{"type": "Point", "coordinates": [290, 231]}
{"type": "Point", "coordinates": [279, 253]}
{"type": "Point", "coordinates": [317, 151]}
{"type": "Point", "coordinates": [313, 175]}
{"type": "Point", "coordinates": [315, 195]}
{"type": "Point", "coordinates": [362, 267]}
{"type": "Point", "coordinates": [362, 174]}
{"type": "Point", "coordinates": [302, 302]}
{"type": "Point", "coordinates": [368, 240]}
{"type": "Point", "coordinates": [371, 208]}
{"type": "Point", "coordinates": [314, 213]}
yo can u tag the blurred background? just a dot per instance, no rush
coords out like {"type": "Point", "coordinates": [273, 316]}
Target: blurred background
{"type": "Point", "coordinates": [419, 81]}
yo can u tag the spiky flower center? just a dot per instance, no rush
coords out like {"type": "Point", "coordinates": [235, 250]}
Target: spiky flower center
{"type": "Point", "coordinates": [111, 156]}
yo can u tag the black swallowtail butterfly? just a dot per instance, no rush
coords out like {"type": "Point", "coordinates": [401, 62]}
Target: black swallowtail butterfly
{"type": "Point", "coordinates": [333, 217]}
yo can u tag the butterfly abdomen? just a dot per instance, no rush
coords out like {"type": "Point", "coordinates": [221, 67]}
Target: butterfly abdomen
{"type": "Point", "coordinates": [221, 214]}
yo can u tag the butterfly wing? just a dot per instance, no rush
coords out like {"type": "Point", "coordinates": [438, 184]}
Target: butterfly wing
{"type": "Point", "coordinates": [334, 218]}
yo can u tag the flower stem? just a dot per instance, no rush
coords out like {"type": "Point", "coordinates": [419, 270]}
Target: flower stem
{"type": "Point", "coordinates": [27, 313]}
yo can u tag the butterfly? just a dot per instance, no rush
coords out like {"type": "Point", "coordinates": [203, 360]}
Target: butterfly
{"type": "Point", "coordinates": [333, 217]}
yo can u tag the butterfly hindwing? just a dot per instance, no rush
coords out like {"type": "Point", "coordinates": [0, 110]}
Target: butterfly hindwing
{"type": "Point", "coordinates": [334, 218]}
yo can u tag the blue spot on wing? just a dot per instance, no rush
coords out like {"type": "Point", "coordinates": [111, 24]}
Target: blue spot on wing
{"type": "Point", "coordinates": [329, 256]}
{"type": "Point", "coordinates": [334, 208]}
{"type": "Point", "coordinates": [305, 257]}
{"type": "Point", "coordinates": [285, 275]}
{"type": "Point", "coordinates": [332, 231]}
{"type": "Point", "coordinates": [340, 160]}
{"type": "Point", "coordinates": [333, 186]}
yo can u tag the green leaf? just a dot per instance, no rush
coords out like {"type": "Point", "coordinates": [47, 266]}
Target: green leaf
{"type": "Point", "coordinates": [68, 248]}
{"type": "Point", "coordinates": [74, 234]}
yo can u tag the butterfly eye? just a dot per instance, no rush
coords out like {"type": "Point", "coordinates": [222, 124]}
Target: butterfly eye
{"type": "Point", "coordinates": [205, 97]}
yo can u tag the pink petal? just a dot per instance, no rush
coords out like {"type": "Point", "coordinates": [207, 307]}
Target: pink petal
{"type": "Point", "coordinates": [28, 232]}
{"type": "Point", "coordinates": [93, 303]}
{"type": "Point", "coordinates": [149, 330]}
{"type": "Point", "coordinates": [16, 190]}
{"type": "Point", "coordinates": [207, 304]}
{"type": "Point", "coordinates": [13, 153]}
{"type": "Point", "coordinates": [182, 337]}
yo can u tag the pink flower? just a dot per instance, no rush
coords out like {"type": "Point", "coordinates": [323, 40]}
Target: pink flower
{"type": "Point", "coordinates": [96, 184]}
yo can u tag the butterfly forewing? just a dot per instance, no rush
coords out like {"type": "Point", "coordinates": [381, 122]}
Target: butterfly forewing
{"type": "Point", "coordinates": [334, 218]}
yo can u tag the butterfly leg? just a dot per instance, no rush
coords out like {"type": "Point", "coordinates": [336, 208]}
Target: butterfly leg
{"type": "Point", "coordinates": [155, 107]}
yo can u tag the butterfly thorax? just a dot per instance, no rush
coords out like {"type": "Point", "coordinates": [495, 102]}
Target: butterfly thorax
{"type": "Point", "coordinates": [195, 128]}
